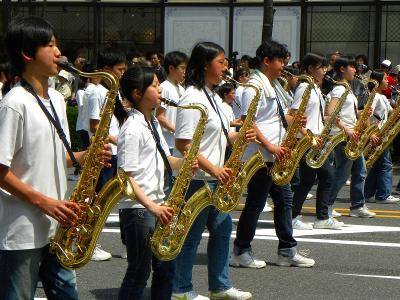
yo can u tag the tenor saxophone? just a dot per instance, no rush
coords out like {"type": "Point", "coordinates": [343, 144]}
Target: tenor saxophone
{"type": "Point", "coordinates": [166, 241]}
{"type": "Point", "coordinates": [387, 133]}
{"type": "Point", "coordinates": [354, 149]}
{"type": "Point", "coordinates": [74, 245]}
{"type": "Point", "coordinates": [282, 171]}
{"type": "Point", "coordinates": [317, 156]}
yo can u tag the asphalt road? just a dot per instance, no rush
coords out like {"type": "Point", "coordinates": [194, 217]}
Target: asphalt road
{"type": "Point", "coordinates": [360, 261]}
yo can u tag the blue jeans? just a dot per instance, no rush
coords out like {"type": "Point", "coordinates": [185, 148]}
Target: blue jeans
{"type": "Point", "coordinates": [257, 191]}
{"type": "Point", "coordinates": [343, 168]}
{"type": "Point", "coordinates": [107, 173]}
{"type": "Point", "coordinates": [20, 271]}
{"type": "Point", "coordinates": [219, 226]}
{"type": "Point", "coordinates": [307, 179]}
{"type": "Point", "coordinates": [379, 178]}
{"type": "Point", "coordinates": [137, 225]}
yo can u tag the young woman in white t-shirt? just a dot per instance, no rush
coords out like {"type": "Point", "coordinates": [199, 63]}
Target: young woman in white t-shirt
{"type": "Point", "coordinates": [314, 66]}
{"type": "Point", "coordinates": [204, 72]}
{"type": "Point", "coordinates": [344, 70]}
{"type": "Point", "coordinates": [143, 154]}
{"type": "Point", "coordinates": [378, 185]}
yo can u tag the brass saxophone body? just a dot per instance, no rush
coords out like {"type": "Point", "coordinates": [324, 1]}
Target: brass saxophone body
{"type": "Point", "coordinates": [282, 171]}
{"type": "Point", "coordinates": [166, 241]}
{"type": "Point", "coordinates": [387, 134]}
{"type": "Point", "coordinates": [74, 245]}
{"type": "Point", "coordinates": [316, 157]}
{"type": "Point", "coordinates": [354, 149]}
{"type": "Point", "coordinates": [227, 196]}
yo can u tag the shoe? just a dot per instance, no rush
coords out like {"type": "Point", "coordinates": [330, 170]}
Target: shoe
{"type": "Point", "coordinates": [100, 255]}
{"type": "Point", "coordinates": [348, 182]}
{"type": "Point", "coordinates": [232, 294]}
{"type": "Point", "coordinates": [333, 213]}
{"type": "Point", "coordinates": [330, 223]}
{"type": "Point", "coordinates": [309, 196]}
{"type": "Point", "coordinates": [388, 200]}
{"type": "Point", "coordinates": [124, 255]}
{"type": "Point", "coordinates": [246, 260]}
{"type": "Point", "coordinates": [267, 207]}
{"type": "Point", "coordinates": [296, 261]}
{"type": "Point", "coordinates": [188, 296]}
{"type": "Point", "coordinates": [396, 192]}
{"type": "Point", "coordinates": [370, 200]}
{"type": "Point", "coordinates": [74, 177]}
{"type": "Point", "coordinates": [361, 212]}
{"type": "Point", "coordinates": [299, 225]}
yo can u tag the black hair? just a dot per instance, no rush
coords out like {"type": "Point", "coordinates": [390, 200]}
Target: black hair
{"type": "Point", "coordinates": [291, 70]}
{"type": "Point", "coordinates": [271, 50]}
{"type": "Point", "coordinates": [312, 60]}
{"type": "Point", "coordinates": [241, 72]}
{"type": "Point", "coordinates": [174, 58]}
{"type": "Point", "coordinates": [26, 35]}
{"type": "Point", "coordinates": [110, 57]}
{"type": "Point", "coordinates": [202, 55]}
{"type": "Point", "coordinates": [342, 62]}
{"type": "Point", "coordinates": [377, 75]}
{"type": "Point", "coordinates": [136, 77]}
{"type": "Point", "coordinates": [226, 88]}
{"type": "Point", "coordinates": [363, 57]}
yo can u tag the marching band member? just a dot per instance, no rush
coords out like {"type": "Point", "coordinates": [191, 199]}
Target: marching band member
{"type": "Point", "coordinates": [204, 72]}
{"type": "Point", "coordinates": [345, 69]}
{"type": "Point", "coordinates": [315, 66]}
{"type": "Point", "coordinates": [378, 184]}
{"type": "Point", "coordinates": [271, 123]}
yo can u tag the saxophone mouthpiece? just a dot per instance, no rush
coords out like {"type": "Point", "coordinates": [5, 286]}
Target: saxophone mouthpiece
{"type": "Point", "coordinates": [169, 102]}
{"type": "Point", "coordinates": [66, 65]}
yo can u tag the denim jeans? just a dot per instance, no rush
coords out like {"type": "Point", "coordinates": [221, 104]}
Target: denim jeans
{"type": "Point", "coordinates": [379, 178]}
{"type": "Point", "coordinates": [138, 224]}
{"type": "Point", "coordinates": [107, 173]}
{"type": "Point", "coordinates": [343, 168]}
{"type": "Point", "coordinates": [257, 191]}
{"type": "Point", "coordinates": [307, 179]}
{"type": "Point", "coordinates": [20, 271]}
{"type": "Point", "coordinates": [294, 183]}
{"type": "Point", "coordinates": [219, 226]}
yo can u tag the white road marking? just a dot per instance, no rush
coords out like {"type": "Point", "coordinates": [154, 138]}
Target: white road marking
{"type": "Point", "coordinates": [372, 276]}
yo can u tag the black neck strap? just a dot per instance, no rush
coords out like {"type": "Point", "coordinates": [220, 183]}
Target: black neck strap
{"type": "Point", "coordinates": [54, 120]}
{"type": "Point", "coordinates": [280, 109]}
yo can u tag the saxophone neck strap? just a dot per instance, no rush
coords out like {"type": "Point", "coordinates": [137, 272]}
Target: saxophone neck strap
{"type": "Point", "coordinates": [281, 111]}
{"type": "Point", "coordinates": [55, 121]}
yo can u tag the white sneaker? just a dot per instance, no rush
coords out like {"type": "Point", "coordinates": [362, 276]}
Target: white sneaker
{"type": "Point", "coordinates": [309, 196]}
{"type": "Point", "coordinates": [188, 296]}
{"type": "Point", "coordinates": [389, 200]}
{"type": "Point", "coordinates": [330, 223]}
{"type": "Point", "coordinates": [74, 177]}
{"type": "Point", "coordinates": [246, 260]}
{"type": "Point", "coordinates": [333, 213]}
{"type": "Point", "coordinates": [231, 294]}
{"type": "Point", "coordinates": [267, 207]}
{"type": "Point", "coordinates": [124, 254]}
{"type": "Point", "coordinates": [361, 212]}
{"type": "Point", "coordinates": [299, 225]}
{"type": "Point", "coordinates": [100, 255]}
{"type": "Point", "coordinates": [296, 261]}
{"type": "Point", "coordinates": [348, 182]}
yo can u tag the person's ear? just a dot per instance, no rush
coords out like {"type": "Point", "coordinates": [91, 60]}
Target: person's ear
{"type": "Point", "coordinates": [266, 61]}
{"type": "Point", "coordinates": [137, 95]}
{"type": "Point", "coordinates": [342, 69]}
{"type": "Point", "coordinates": [171, 68]}
{"type": "Point", "coordinates": [26, 57]}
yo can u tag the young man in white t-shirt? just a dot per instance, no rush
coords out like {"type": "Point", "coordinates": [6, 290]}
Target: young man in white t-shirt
{"type": "Point", "coordinates": [33, 163]}
{"type": "Point", "coordinates": [175, 65]}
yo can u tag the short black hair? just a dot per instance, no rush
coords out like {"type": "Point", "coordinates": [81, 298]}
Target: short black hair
{"type": "Point", "coordinates": [226, 88]}
{"type": "Point", "coordinates": [271, 50]}
{"type": "Point", "coordinates": [377, 75]}
{"type": "Point", "coordinates": [109, 57]}
{"type": "Point", "coordinates": [312, 60]}
{"type": "Point", "coordinates": [174, 58]}
{"type": "Point", "coordinates": [202, 54]}
{"type": "Point", "coordinates": [342, 61]}
{"type": "Point", "coordinates": [241, 72]}
{"type": "Point", "coordinates": [26, 35]}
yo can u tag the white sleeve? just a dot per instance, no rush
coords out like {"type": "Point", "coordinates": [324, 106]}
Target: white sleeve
{"type": "Point", "coordinates": [128, 152]}
{"type": "Point", "coordinates": [186, 121]}
{"type": "Point", "coordinates": [298, 96]}
{"type": "Point", "coordinates": [247, 96]}
{"type": "Point", "coordinates": [94, 105]}
{"type": "Point", "coordinates": [337, 91]}
{"type": "Point", "coordinates": [11, 133]}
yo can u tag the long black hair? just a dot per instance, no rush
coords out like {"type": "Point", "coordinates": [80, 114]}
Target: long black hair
{"type": "Point", "coordinates": [271, 50]}
{"type": "Point", "coordinates": [136, 77]}
{"type": "Point", "coordinates": [342, 62]}
{"type": "Point", "coordinates": [312, 60]}
{"type": "Point", "coordinates": [377, 75]}
{"type": "Point", "coordinates": [202, 55]}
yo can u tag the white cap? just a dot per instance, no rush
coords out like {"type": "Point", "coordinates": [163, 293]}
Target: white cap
{"type": "Point", "coordinates": [386, 63]}
{"type": "Point", "coordinates": [64, 74]}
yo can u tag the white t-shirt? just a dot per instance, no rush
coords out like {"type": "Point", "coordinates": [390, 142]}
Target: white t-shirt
{"type": "Point", "coordinates": [33, 151]}
{"type": "Point", "coordinates": [213, 143]}
{"type": "Point", "coordinates": [348, 114]}
{"type": "Point", "coordinates": [96, 101]}
{"type": "Point", "coordinates": [267, 117]}
{"type": "Point", "coordinates": [315, 107]}
{"type": "Point", "coordinates": [174, 93]}
{"type": "Point", "coordinates": [228, 112]}
{"type": "Point", "coordinates": [81, 101]}
{"type": "Point", "coordinates": [380, 110]}
{"type": "Point", "coordinates": [237, 102]}
{"type": "Point", "coordinates": [138, 154]}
